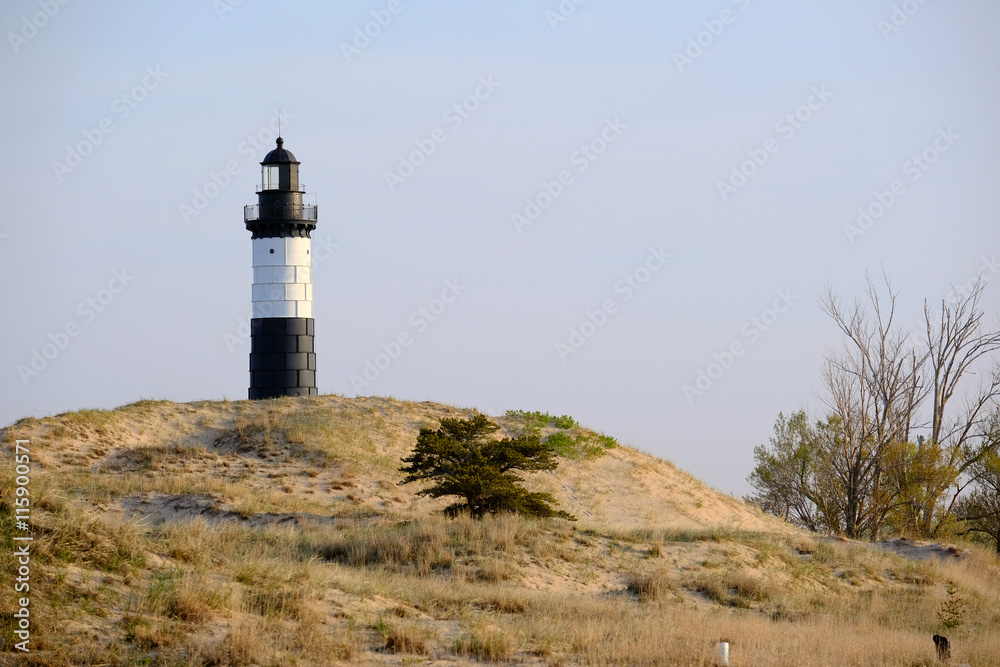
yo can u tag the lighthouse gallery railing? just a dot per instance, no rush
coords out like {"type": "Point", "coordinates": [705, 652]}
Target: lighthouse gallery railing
{"type": "Point", "coordinates": [279, 212]}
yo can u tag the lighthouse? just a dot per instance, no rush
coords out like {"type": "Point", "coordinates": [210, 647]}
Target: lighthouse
{"type": "Point", "coordinates": [282, 329]}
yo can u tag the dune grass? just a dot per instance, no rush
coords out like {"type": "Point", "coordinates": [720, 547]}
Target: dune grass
{"type": "Point", "coordinates": [355, 575]}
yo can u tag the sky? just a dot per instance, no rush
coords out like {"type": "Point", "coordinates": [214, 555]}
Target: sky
{"type": "Point", "coordinates": [622, 211]}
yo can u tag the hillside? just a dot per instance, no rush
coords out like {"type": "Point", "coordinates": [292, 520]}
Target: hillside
{"type": "Point", "coordinates": [275, 533]}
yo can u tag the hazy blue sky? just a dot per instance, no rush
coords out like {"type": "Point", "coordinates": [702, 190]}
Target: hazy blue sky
{"type": "Point", "coordinates": [122, 118]}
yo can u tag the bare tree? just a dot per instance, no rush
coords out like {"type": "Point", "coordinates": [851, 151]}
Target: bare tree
{"type": "Point", "coordinates": [874, 389]}
{"type": "Point", "coordinates": [957, 343]}
{"type": "Point", "coordinates": [859, 471]}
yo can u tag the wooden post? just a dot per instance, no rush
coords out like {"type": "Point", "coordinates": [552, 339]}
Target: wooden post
{"type": "Point", "coordinates": [943, 647]}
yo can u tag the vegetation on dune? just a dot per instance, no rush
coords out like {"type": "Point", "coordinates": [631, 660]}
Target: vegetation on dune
{"type": "Point", "coordinates": [569, 440]}
{"type": "Point", "coordinates": [272, 591]}
{"type": "Point", "coordinates": [295, 544]}
{"type": "Point", "coordinates": [861, 471]}
{"type": "Point", "coordinates": [460, 458]}
{"type": "Point", "coordinates": [535, 421]}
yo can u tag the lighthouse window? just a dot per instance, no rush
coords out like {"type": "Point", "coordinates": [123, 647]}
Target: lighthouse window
{"type": "Point", "coordinates": [271, 251]}
{"type": "Point", "coordinates": [270, 177]}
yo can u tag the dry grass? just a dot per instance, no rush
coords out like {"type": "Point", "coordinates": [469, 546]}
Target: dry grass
{"type": "Point", "coordinates": [406, 637]}
{"type": "Point", "coordinates": [432, 544]}
{"type": "Point", "coordinates": [616, 633]}
{"type": "Point", "coordinates": [733, 588]}
{"type": "Point", "coordinates": [388, 579]}
{"type": "Point", "coordinates": [278, 602]}
{"type": "Point", "coordinates": [72, 536]}
{"type": "Point", "coordinates": [154, 457]}
{"type": "Point", "coordinates": [648, 586]}
{"type": "Point", "coordinates": [487, 643]}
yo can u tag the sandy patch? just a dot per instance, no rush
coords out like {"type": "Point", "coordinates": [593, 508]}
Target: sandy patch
{"type": "Point", "coordinates": [915, 550]}
{"type": "Point", "coordinates": [157, 508]}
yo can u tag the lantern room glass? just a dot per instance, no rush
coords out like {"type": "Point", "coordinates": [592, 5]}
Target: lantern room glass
{"type": "Point", "coordinates": [270, 177]}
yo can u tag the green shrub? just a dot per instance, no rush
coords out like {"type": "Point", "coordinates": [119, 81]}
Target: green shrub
{"type": "Point", "coordinates": [582, 446]}
{"type": "Point", "coordinates": [606, 441]}
{"type": "Point", "coordinates": [565, 422]}
{"type": "Point", "coordinates": [563, 443]}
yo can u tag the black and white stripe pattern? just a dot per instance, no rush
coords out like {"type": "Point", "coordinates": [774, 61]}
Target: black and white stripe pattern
{"type": "Point", "coordinates": [282, 329]}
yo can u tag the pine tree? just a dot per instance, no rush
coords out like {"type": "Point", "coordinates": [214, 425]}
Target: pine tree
{"type": "Point", "coordinates": [462, 459]}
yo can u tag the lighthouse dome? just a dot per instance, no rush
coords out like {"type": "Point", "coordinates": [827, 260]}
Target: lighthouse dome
{"type": "Point", "coordinates": [279, 154]}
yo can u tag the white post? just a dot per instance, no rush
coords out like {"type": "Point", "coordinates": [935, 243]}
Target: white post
{"type": "Point", "coordinates": [723, 652]}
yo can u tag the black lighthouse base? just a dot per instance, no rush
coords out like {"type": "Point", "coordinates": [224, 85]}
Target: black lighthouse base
{"type": "Point", "coordinates": [282, 357]}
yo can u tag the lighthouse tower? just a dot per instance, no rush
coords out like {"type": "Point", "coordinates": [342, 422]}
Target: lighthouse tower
{"type": "Point", "coordinates": [282, 356]}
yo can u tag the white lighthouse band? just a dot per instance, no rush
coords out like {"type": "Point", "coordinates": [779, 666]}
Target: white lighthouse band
{"type": "Point", "coordinates": [282, 328]}
{"type": "Point", "coordinates": [281, 285]}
